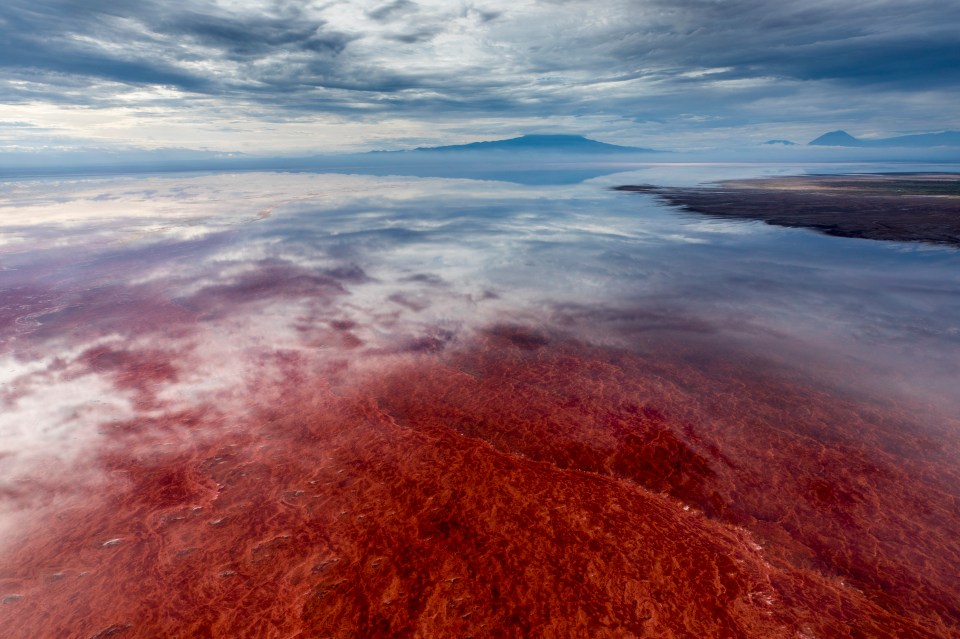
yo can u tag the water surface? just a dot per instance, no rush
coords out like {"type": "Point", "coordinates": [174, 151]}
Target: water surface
{"type": "Point", "coordinates": [275, 404]}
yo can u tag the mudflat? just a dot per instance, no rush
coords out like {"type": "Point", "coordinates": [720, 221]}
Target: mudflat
{"type": "Point", "coordinates": [903, 207]}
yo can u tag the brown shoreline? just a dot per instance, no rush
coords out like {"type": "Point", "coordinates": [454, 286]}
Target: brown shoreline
{"type": "Point", "coordinates": [900, 207]}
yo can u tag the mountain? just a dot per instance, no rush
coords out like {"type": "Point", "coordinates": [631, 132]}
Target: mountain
{"type": "Point", "coordinates": [836, 138]}
{"type": "Point", "coordinates": [541, 143]}
{"type": "Point", "coordinates": [920, 141]}
{"type": "Point", "coordinates": [782, 142]}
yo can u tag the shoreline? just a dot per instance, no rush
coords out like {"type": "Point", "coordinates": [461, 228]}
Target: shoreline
{"type": "Point", "coordinates": [900, 207]}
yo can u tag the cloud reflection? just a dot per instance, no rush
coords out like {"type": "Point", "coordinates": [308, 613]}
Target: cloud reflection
{"type": "Point", "coordinates": [367, 321]}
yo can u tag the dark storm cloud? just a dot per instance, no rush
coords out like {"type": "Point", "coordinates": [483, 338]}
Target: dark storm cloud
{"type": "Point", "coordinates": [420, 35]}
{"type": "Point", "coordinates": [254, 36]}
{"type": "Point", "coordinates": [905, 63]}
{"type": "Point", "coordinates": [867, 41]}
{"type": "Point", "coordinates": [145, 43]}
{"type": "Point", "coordinates": [904, 44]}
{"type": "Point", "coordinates": [59, 39]}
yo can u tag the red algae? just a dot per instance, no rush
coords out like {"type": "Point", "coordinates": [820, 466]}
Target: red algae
{"type": "Point", "coordinates": [260, 448]}
{"type": "Point", "coordinates": [138, 370]}
{"type": "Point", "coordinates": [520, 484]}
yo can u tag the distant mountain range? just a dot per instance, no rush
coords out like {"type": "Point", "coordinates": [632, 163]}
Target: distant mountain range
{"type": "Point", "coordinates": [921, 141]}
{"type": "Point", "coordinates": [541, 143]}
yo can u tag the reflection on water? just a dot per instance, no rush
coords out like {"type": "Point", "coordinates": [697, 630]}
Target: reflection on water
{"type": "Point", "coordinates": [344, 405]}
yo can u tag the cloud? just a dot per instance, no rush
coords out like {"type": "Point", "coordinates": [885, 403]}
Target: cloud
{"type": "Point", "coordinates": [253, 37]}
{"type": "Point", "coordinates": [198, 51]}
{"type": "Point", "coordinates": [676, 62]}
{"type": "Point", "coordinates": [383, 12]}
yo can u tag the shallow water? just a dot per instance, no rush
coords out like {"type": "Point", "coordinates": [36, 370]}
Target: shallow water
{"type": "Point", "coordinates": [273, 404]}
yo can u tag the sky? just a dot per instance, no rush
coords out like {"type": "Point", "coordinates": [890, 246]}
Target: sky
{"type": "Point", "coordinates": [280, 77]}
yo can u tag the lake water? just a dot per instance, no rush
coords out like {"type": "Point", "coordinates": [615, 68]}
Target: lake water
{"type": "Point", "coordinates": [264, 404]}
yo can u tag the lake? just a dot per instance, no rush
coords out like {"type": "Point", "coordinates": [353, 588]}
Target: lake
{"type": "Point", "coordinates": [298, 404]}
